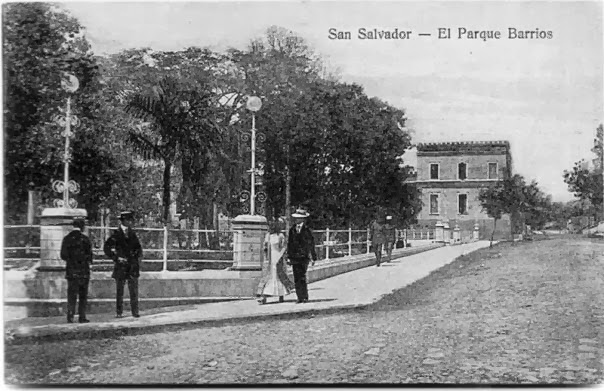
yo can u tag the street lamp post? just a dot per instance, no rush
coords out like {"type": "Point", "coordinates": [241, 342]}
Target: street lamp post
{"type": "Point", "coordinates": [253, 104]}
{"type": "Point", "coordinates": [70, 84]}
{"type": "Point", "coordinates": [66, 158]}
{"type": "Point", "coordinates": [56, 223]}
{"type": "Point", "coordinates": [250, 229]}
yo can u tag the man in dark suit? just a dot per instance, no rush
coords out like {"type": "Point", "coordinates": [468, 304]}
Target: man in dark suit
{"type": "Point", "coordinates": [76, 251]}
{"type": "Point", "coordinates": [300, 251]}
{"type": "Point", "coordinates": [124, 248]}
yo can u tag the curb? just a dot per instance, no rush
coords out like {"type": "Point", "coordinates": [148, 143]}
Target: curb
{"type": "Point", "coordinates": [21, 338]}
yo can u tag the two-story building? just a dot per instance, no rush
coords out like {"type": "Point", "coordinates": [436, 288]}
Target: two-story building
{"type": "Point", "coordinates": [451, 175]}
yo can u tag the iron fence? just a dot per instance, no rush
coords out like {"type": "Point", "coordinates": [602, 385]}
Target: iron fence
{"type": "Point", "coordinates": [330, 244]}
{"type": "Point", "coordinates": [418, 234]}
{"type": "Point", "coordinates": [21, 246]}
{"type": "Point", "coordinates": [162, 246]}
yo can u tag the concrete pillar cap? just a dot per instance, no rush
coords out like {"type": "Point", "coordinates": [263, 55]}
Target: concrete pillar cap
{"type": "Point", "coordinates": [249, 219]}
{"type": "Point", "coordinates": [64, 212]}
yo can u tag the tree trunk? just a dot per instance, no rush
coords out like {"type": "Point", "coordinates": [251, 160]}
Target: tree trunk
{"type": "Point", "coordinates": [493, 233]}
{"type": "Point", "coordinates": [166, 198]}
{"type": "Point", "coordinates": [512, 223]}
{"type": "Point", "coordinates": [215, 217]}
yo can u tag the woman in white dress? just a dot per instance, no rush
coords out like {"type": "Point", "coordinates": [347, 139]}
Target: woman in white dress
{"type": "Point", "coordinates": [274, 281]}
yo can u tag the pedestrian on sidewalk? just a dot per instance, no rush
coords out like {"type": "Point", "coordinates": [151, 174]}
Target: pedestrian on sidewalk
{"type": "Point", "coordinates": [389, 238]}
{"type": "Point", "coordinates": [76, 251]}
{"type": "Point", "coordinates": [377, 238]}
{"type": "Point", "coordinates": [301, 251]}
{"type": "Point", "coordinates": [274, 281]}
{"type": "Point", "coordinates": [124, 248]}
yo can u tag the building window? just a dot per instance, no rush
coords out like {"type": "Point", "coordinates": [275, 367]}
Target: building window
{"type": "Point", "coordinates": [462, 203]}
{"type": "Point", "coordinates": [433, 204]}
{"type": "Point", "coordinates": [493, 171]}
{"type": "Point", "coordinates": [434, 171]}
{"type": "Point", "coordinates": [462, 171]}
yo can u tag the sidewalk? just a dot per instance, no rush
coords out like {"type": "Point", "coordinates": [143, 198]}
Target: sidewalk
{"type": "Point", "coordinates": [354, 289]}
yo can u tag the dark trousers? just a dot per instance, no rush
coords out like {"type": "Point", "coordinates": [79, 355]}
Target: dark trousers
{"type": "Point", "coordinates": [77, 290]}
{"type": "Point", "coordinates": [377, 248]}
{"type": "Point", "coordinates": [119, 297]}
{"type": "Point", "coordinates": [299, 269]}
{"type": "Point", "coordinates": [388, 246]}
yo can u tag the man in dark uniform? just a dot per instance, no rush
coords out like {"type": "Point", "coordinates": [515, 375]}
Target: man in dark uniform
{"type": "Point", "coordinates": [300, 251]}
{"type": "Point", "coordinates": [389, 237]}
{"type": "Point", "coordinates": [124, 248]}
{"type": "Point", "coordinates": [377, 238]}
{"type": "Point", "coordinates": [76, 251]}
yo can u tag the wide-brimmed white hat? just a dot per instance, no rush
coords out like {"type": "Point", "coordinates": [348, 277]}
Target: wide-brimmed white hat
{"type": "Point", "coordinates": [300, 213]}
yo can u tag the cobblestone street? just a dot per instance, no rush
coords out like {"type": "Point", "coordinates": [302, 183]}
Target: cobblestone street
{"type": "Point", "coordinates": [518, 313]}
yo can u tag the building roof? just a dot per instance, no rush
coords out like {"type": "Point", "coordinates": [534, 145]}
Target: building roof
{"type": "Point", "coordinates": [463, 146]}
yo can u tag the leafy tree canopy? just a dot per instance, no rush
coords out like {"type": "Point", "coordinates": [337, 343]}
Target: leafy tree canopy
{"type": "Point", "coordinates": [41, 42]}
{"type": "Point", "coordinates": [585, 182]}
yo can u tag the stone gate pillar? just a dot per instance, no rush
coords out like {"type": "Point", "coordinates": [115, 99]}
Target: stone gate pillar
{"type": "Point", "coordinates": [248, 242]}
{"type": "Point", "coordinates": [55, 224]}
{"type": "Point", "coordinates": [439, 234]}
{"type": "Point", "coordinates": [447, 233]}
{"type": "Point", "coordinates": [456, 234]}
{"type": "Point", "coordinates": [476, 233]}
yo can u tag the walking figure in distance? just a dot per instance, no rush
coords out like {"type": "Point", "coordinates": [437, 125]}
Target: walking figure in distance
{"type": "Point", "coordinates": [274, 281]}
{"type": "Point", "coordinates": [76, 251]}
{"type": "Point", "coordinates": [124, 248]}
{"type": "Point", "coordinates": [377, 238]}
{"type": "Point", "coordinates": [301, 251]}
{"type": "Point", "coordinates": [389, 238]}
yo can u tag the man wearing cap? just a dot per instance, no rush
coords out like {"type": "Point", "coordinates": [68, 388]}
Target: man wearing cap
{"type": "Point", "coordinates": [124, 248]}
{"type": "Point", "coordinates": [76, 251]}
{"type": "Point", "coordinates": [389, 238]}
{"type": "Point", "coordinates": [300, 251]}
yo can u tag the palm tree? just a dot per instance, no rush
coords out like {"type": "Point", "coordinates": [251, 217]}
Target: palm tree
{"type": "Point", "coordinates": [177, 117]}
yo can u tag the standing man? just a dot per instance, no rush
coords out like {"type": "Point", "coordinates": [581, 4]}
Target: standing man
{"type": "Point", "coordinates": [377, 238]}
{"type": "Point", "coordinates": [124, 248]}
{"type": "Point", "coordinates": [300, 251]}
{"type": "Point", "coordinates": [76, 251]}
{"type": "Point", "coordinates": [390, 237]}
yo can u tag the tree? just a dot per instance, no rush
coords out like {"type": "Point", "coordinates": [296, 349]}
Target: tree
{"type": "Point", "coordinates": [537, 206]}
{"type": "Point", "coordinates": [494, 203]}
{"type": "Point", "coordinates": [525, 204]}
{"type": "Point", "coordinates": [178, 120]}
{"type": "Point", "coordinates": [202, 174]}
{"type": "Point", "coordinates": [42, 42]}
{"type": "Point", "coordinates": [335, 149]}
{"type": "Point", "coordinates": [277, 67]}
{"type": "Point", "coordinates": [585, 182]}
{"type": "Point", "coordinates": [344, 155]}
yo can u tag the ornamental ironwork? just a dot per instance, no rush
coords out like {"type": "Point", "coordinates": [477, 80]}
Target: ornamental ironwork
{"type": "Point", "coordinates": [244, 202]}
{"type": "Point", "coordinates": [70, 84]}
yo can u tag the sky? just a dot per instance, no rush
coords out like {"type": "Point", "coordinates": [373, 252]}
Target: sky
{"type": "Point", "coordinates": [545, 96]}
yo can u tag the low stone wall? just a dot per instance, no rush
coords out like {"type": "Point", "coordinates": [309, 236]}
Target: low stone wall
{"type": "Point", "coordinates": [333, 268]}
{"type": "Point", "coordinates": [29, 294]}
{"type": "Point", "coordinates": [485, 226]}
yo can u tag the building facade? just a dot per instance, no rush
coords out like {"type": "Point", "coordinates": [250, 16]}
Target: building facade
{"type": "Point", "coordinates": [450, 176]}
